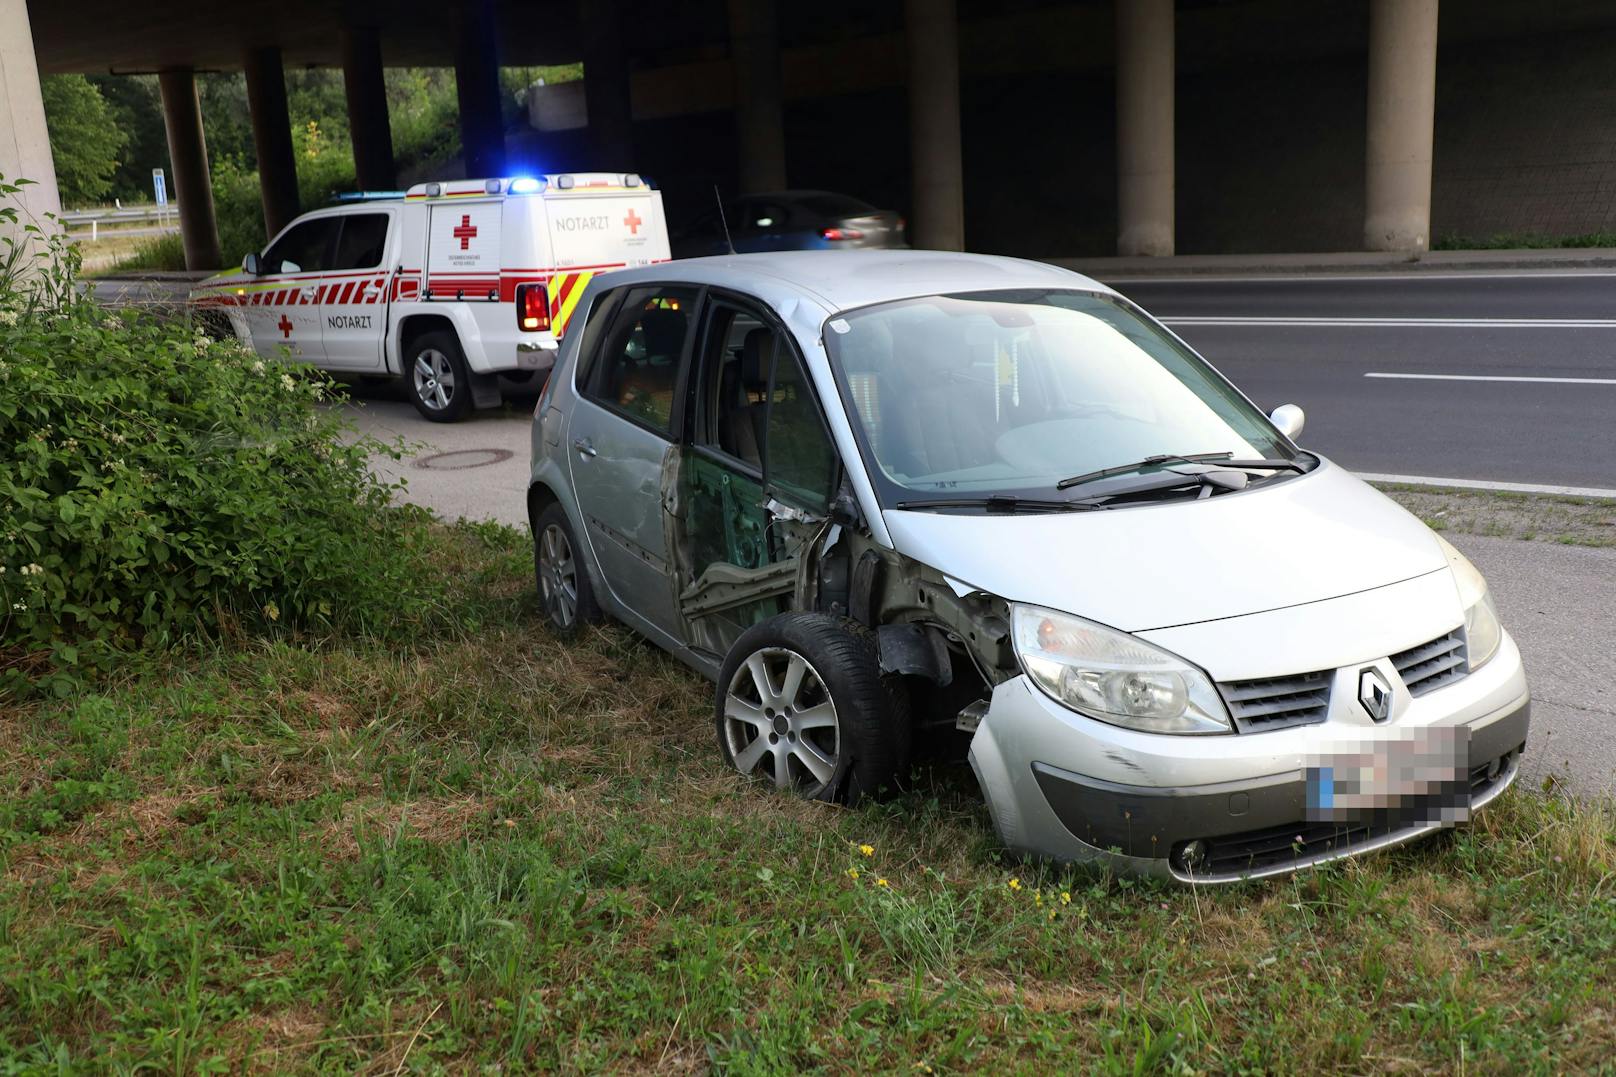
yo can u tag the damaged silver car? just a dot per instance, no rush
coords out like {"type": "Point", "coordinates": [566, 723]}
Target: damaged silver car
{"type": "Point", "coordinates": [899, 500]}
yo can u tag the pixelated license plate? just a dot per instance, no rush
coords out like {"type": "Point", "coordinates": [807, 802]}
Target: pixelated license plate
{"type": "Point", "coordinates": [1395, 777]}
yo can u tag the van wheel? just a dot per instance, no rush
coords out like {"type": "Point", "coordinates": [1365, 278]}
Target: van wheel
{"type": "Point", "coordinates": [437, 380]}
{"type": "Point", "coordinates": [565, 596]}
{"type": "Point", "coordinates": [802, 703]}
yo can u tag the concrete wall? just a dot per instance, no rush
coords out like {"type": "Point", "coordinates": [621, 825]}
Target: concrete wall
{"type": "Point", "coordinates": [1526, 137]}
{"type": "Point", "coordinates": [1270, 155]}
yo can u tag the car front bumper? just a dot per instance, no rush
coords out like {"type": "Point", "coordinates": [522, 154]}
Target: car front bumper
{"type": "Point", "coordinates": [1062, 785]}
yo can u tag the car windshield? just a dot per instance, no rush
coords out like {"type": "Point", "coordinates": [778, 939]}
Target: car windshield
{"type": "Point", "coordinates": [1008, 392]}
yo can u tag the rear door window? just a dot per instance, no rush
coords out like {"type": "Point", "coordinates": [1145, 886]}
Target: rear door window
{"type": "Point", "coordinates": [362, 242]}
{"type": "Point", "coordinates": [636, 372]}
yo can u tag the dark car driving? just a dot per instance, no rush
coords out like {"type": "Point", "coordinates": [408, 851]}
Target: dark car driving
{"type": "Point", "coordinates": [788, 221]}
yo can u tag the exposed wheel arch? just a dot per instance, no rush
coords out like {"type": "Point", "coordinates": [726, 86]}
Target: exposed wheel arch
{"type": "Point", "coordinates": [413, 328]}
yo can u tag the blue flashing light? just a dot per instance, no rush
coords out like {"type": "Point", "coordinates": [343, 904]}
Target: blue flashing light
{"type": "Point", "coordinates": [526, 185]}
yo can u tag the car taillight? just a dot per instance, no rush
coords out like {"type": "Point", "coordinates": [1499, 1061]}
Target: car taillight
{"type": "Point", "coordinates": [532, 307]}
{"type": "Point", "coordinates": [841, 233]}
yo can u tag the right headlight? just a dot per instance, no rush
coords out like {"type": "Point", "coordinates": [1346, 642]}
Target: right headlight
{"type": "Point", "coordinates": [1115, 677]}
{"type": "Point", "coordinates": [1483, 633]}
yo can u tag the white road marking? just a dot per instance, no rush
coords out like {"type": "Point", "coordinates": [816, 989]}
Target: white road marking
{"type": "Point", "coordinates": [1493, 377]}
{"type": "Point", "coordinates": [1483, 484]}
{"type": "Point", "coordinates": [1397, 323]}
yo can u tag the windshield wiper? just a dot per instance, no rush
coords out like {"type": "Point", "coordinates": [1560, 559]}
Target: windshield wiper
{"type": "Point", "coordinates": [1222, 458]}
{"type": "Point", "coordinates": [998, 503]}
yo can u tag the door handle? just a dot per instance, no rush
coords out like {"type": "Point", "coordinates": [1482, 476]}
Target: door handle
{"type": "Point", "coordinates": [584, 448]}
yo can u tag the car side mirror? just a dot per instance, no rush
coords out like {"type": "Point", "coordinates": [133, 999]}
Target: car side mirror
{"type": "Point", "coordinates": [252, 264]}
{"type": "Point", "coordinates": [1289, 419]}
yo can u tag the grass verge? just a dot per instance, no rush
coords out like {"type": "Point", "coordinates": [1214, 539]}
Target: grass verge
{"type": "Point", "coordinates": [491, 849]}
{"type": "Point", "coordinates": [1570, 521]}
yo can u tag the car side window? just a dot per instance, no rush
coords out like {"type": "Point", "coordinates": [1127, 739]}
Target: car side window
{"type": "Point", "coordinates": [305, 248]}
{"type": "Point", "coordinates": [755, 406]}
{"type": "Point", "coordinates": [363, 239]}
{"type": "Point", "coordinates": [637, 370]}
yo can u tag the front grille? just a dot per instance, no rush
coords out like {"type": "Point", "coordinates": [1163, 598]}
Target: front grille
{"type": "Point", "coordinates": [1294, 843]}
{"type": "Point", "coordinates": [1432, 665]}
{"type": "Point", "coordinates": [1278, 702]}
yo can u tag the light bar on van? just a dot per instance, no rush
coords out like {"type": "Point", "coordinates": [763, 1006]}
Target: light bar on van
{"type": "Point", "coordinates": [526, 185]}
{"type": "Point", "coordinates": [565, 182]}
{"type": "Point", "coordinates": [532, 307]}
{"type": "Point", "coordinates": [631, 179]}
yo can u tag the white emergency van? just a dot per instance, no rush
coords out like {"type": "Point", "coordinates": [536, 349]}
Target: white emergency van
{"type": "Point", "coordinates": [450, 285]}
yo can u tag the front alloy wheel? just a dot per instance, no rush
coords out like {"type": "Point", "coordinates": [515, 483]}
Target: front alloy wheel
{"type": "Point", "coordinates": [778, 715]}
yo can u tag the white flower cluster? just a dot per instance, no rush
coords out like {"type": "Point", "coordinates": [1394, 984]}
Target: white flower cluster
{"type": "Point", "coordinates": [286, 380]}
{"type": "Point", "coordinates": [8, 317]}
{"type": "Point", "coordinates": [20, 607]}
{"type": "Point", "coordinates": [31, 570]}
{"type": "Point", "coordinates": [258, 367]}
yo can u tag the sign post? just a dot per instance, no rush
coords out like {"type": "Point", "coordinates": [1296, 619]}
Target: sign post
{"type": "Point", "coordinates": [160, 189]}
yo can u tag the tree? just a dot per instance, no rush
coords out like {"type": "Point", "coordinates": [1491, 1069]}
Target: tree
{"type": "Point", "coordinates": [85, 142]}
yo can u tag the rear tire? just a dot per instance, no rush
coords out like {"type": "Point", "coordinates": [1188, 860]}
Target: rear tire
{"type": "Point", "coordinates": [801, 701]}
{"type": "Point", "coordinates": [436, 377]}
{"type": "Point", "coordinates": [566, 598]}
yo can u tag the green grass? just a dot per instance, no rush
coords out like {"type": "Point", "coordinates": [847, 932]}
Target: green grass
{"type": "Point", "coordinates": [1569, 521]}
{"type": "Point", "coordinates": [1523, 241]}
{"type": "Point", "coordinates": [161, 252]}
{"type": "Point", "coordinates": [494, 849]}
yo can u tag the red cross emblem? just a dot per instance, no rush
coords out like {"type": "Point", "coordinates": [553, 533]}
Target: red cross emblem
{"type": "Point", "coordinates": [465, 231]}
{"type": "Point", "coordinates": [285, 327]}
{"type": "Point", "coordinates": [633, 220]}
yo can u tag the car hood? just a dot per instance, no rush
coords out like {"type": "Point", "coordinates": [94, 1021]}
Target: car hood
{"type": "Point", "coordinates": [220, 280]}
{"type": "Point", "coordinates": [1304, 539]}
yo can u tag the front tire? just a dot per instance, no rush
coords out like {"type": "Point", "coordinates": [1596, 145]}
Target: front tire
{"type": "Point", "coordinates": [566, 597]}
{"type": "Point", "coordinates": [802, 703]}
{"type": "Point", "coordinates": [437, 378]}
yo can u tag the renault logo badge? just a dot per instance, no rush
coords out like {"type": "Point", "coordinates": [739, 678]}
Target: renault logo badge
{"type": "Point", "coordinates": [1375, 694]}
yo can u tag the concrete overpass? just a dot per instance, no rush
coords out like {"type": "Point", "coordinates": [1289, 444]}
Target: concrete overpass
{"type": "Point", "coordinates": [729, 73]}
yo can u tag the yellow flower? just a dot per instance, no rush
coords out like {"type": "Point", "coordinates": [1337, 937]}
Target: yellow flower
{"type": "Point", "coordinates": [852, 873]}
{"type": "Point", "coordinates": [272, 611]}
{"type": "Point", "coordinates": [1015, 884]}
{"type": "Point", "coordinates": [1052, 914]}
{"type": "Point", "coordinates": [867, 850]}
{"type": "Point", "coordinates": [1066, 897]}
{"type": "Point", "coordinates": [880, 882]}
{"type": "Point", "coordinates": [510, 822]}
{"type": "Point", "coordinates": [1038, 897]}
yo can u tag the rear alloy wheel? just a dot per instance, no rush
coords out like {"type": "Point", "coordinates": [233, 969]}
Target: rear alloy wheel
{"type": "Point", "coordinates": [565, 596]}
{"type": "Point", "coordinates": [439, 383]}
{"type": "Point", "coordinates": [802, 704]}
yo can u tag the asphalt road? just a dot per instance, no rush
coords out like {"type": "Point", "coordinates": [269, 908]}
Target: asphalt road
{"type": "Point", "coordinates": [1420, 374]}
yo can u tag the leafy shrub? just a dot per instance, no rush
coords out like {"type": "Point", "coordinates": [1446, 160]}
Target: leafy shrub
{"type": "Point", "coordinates": [156, 483]}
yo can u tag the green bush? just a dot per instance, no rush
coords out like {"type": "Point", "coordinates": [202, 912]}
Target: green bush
{"type": "Point", "coordinates": [157, 484]}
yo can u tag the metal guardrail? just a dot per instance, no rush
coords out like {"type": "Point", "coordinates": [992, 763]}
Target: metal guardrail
{"type": "Point", "coordinates": [120, 214]}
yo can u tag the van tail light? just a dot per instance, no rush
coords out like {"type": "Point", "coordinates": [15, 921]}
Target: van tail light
{"type": "Point", "coordinates": [532, 307]}
{"type": "Point", "coordinates": [841, 233]}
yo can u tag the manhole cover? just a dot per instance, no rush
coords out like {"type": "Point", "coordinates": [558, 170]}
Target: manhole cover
{"type": "Point", "coordinates": [461, 459]}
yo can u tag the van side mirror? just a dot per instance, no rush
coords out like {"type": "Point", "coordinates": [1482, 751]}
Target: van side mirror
{"type": "Point", "coordinates": [252, 264]}
{"type": "Point", "coordinates": [1290, 420]}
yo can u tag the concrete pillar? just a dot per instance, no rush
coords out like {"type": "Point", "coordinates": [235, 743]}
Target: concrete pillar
{"type": "Point", "coordinates": [754, 36]}
{"type": "Point", "coordinates": [606, 87]}
{"type": "Point", "coordinates": [272, 137]}
{"type": "Point", "coordinates": [1144, 127]}
{"type": "Point", "coordinates": [482, 127]}
{"type": "Point", "coordinates": [1402, 110]}
{"type": "Point", "coordinates": [368, 122]}
{"type": "Point", "coordinates": [935, 167]}
{"type": "Point", "coordinates": [188, 153]}
{"type": "Point", "coordinates": [25, 151]}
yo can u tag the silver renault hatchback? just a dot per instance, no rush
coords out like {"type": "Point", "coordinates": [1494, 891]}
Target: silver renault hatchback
{"type": "Point", "coordinates": [885, 497]}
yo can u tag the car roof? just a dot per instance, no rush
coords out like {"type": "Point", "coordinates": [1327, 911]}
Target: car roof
{"type": "Point", "coordinates": [843, 280]}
